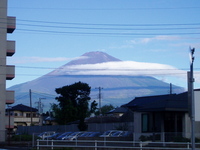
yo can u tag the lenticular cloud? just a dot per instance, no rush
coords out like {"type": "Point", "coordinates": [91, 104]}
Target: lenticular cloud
{"type": "Point", "coordinates": [121, 68]}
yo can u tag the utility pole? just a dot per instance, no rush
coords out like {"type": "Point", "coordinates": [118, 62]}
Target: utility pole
{"type": "Point", "coordinates": [170, 89]}
{"type": "Point", "coordinates": [40, 110]}
{"type": "Point", "coordinates": [40, 105]}
{"type": "Point", "coordinates": [100, 113]}
{"type": "Point", "coordinates": [31, 107]}
{"type": "Point", "coordinates": [99, 99]}
{"type": "Point", "coordinates": [191, 90]}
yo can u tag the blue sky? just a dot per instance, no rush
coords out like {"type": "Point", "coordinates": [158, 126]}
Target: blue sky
{"type": "Point", "coordinates": [146, 34]}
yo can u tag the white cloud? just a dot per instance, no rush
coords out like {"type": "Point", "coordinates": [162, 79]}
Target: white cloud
{"type": "Point", "coordinates": [137, 41]}
{"type": "Point", "coordinates": [24, 60]}
{"type": "Point", "coordinates": [159, 38]}
{"type": "Point", "coordinates": [130, 68]}
{"type": "Point", "coordinates": [123, 68]}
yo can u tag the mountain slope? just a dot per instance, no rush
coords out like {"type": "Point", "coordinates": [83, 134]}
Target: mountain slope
{"type": "Point", "coordinates": [117, 89]}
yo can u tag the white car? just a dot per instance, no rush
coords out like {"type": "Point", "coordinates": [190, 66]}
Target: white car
{"type": "Point", "coordinates": [73, 136]}
{"type": "Point", "coordinates": [46, 134]}
{"type": "Point", "coordinates": [108, 133]}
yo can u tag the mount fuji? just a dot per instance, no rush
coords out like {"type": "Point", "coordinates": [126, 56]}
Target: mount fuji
{"type": "Point", "coordinates": [97, 69]}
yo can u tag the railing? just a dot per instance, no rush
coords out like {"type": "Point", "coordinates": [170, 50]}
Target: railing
{"type": "Point", "coordinates": [95, 144]}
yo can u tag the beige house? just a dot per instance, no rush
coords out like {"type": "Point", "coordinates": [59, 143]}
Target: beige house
{"type": "Point", "coordinates": [22, 115]}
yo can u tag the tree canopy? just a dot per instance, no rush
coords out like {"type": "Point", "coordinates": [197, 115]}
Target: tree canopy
{"type": "Point", "coordinates": [73, 104]}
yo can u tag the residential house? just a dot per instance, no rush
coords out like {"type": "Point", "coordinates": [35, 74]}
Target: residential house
{"type": "Point", "coordinates": [118, 112]}
{"type": "Point", "coordinates": [165, 116]}
{"type": "Point", "coordinates": [23, 115]}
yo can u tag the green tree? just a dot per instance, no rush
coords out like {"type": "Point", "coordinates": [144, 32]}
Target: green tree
{"type": "Point", "coordinates": [104, 109]}
{"type": "Point", "coordinates": [73, 104]}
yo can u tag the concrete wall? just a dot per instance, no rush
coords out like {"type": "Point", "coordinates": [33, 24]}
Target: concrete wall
{"type": "Point", "coordinates": [3, 46]}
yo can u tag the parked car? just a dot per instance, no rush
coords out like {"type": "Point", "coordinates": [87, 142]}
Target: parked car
{"type": "Point", "coordinates": [86, 134]}
{"type": "Point", "coordinates": [108, 133]}
{"type": "Point", "coordinates": [52, 137]}
{"type": "Point", "coordinates": [73, 136]}
{"type": "Point", "coordinates": [46, 134]}
{"type": "Point", "coordinates": [127, 133]}
{"type": "Point", "coordinates": [117, 134]}
{"type": "Point", "coordinates": [94, 134]}
{"type": "Point", "coordinates": [121, 134]}
{"type": "Point", "coordinates": [62, 136]}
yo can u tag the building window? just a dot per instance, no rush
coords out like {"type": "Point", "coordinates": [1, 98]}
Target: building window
{"type": "Point", "coordinates": [145, 122]}
{"type": "Point", "coordinates": [16, 114]}
{"type": "Point", "coordinates": [28, 115]}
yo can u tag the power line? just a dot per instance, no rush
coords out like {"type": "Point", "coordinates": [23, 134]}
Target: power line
{"type": "Point", "coordinates": [103, 9]}
{"type": "Point", "coordinates": [109, 24]}
{"type": "Point", "coordinates": [109, 33]}
{"type": "Point", "coordinates": [103, 28]}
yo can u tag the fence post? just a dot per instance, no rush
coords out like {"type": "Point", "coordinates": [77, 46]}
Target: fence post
{"type": "Point", "coordinates": [95, 144]}
{"type": "Point", "coordinates": [38, 144]}
{"type": "Point", "coordinates": [188, 145]}
{"type": "Point", "coordinates": [51, 144]}
{"type": "Point", "coordinates": [140, 145]}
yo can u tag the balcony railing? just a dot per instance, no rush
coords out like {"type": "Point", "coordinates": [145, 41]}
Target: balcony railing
{"type": "Point", "coordinates": [11, 24]}
{"type": "Point", "coordinates": [24, 119]}
{"type": "Point", "coordinates": [10, 48]}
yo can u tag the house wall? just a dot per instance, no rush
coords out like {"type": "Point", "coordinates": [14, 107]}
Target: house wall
{"type": "Point", "coordinates": [24, 118]}
{"type": "Point", "coordinates": [137, 125]}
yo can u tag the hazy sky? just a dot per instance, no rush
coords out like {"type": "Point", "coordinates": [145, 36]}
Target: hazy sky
{"type": "Point", "coordinates": [146, 34]}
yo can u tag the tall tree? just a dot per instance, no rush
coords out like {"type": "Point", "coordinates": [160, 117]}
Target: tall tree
{"type": "Point", "coordinates": [73, 104]}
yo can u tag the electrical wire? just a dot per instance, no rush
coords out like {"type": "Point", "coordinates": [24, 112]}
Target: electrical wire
{"type": "Point", "coordinates": [108, 24]}
{"type": "Point", "coordinates": [103, 9]}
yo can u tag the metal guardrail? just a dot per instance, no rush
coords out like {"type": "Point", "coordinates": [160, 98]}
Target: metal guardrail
{"type": "Point", "coordinates": [95, 144]}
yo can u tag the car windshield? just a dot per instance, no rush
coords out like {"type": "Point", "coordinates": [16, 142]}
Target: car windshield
{"type": "Point", "coordinates": [75, 133]}
{"type": "Point", "coordinates": [107, 133]}
{"type": "Point", "coordinates": [117, 133]}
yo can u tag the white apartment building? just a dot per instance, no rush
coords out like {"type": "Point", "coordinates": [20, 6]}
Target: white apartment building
{"type": "Point", "coordinates": [7, 48]}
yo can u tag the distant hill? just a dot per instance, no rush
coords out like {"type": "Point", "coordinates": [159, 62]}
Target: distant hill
{"type": "Point", "coordinates": [117, 89]}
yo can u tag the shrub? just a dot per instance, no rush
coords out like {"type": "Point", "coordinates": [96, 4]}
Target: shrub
{"type": "Point", "coordinates": [181, 139]}
{"type": "Point", "coordinates": [23, 137]}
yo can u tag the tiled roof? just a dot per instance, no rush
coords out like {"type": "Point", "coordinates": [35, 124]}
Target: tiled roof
{"type": "Point", "coordinates": [118, 110]}
{"type": "Point", "coordinates": [23, 108]}
{"type": "Point", "coordinates": [169, 102]}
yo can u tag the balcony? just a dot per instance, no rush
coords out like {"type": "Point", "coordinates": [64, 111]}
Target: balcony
{"type": "Point", "coordinates": [10, 72]}
{"type": "Point", "coordinates": [10, 96]}
{"type": "Point", "coordinates": [10, 48]}
{"type": "Point", "coordinates": [25, 119]}
{"type": "Point", "coordinates": [11, 24]}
